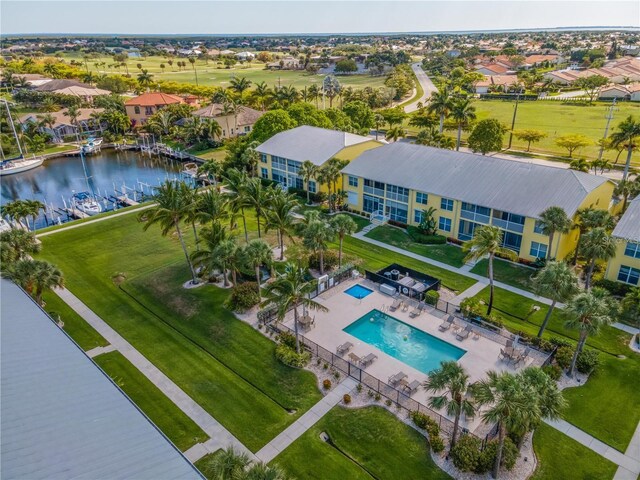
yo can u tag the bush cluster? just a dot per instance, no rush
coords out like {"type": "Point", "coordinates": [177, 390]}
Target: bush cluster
{"type": "Point", "coordinates": [588, 361]}
{"type": "Point", "coordinates": [419, 236]}
{"type": "Point", "coordinates": [615, 288]}
{"type": "Point", "coordinates": [433, 430]}
{"type": "Point", "coordinates": [471, 307]}
{"type": "Point", "coordinates": [314, 197]}
{"type": "Point", "coordinates": [346, 399]}
{"type": "Point", "coordinates": [243, 297]}
{"type": "Point", "coordinates": [289, 356]}
{"type": "Point", "coordinates": [554, 371]}
{"type": "Point", "coordinates": [431, 297]}
{"type": "Point", "coordinates": [326, 384]}
{"type": "Point", "coordinates": [288, 339]}
{"type": "Point", "coordinates": [563, 357]}
{"type": "Point", "coordinates": [468, 456]}
{"type": "Point", "coordinates": [330, 260]}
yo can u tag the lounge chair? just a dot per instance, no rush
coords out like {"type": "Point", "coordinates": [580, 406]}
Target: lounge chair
{"type": "Point", "coordinates": [502, 355]}
{"type": "Point", "coordinates": [412, 387]}
{"type": "Point", "coordinates": [522, 357]}
{"type": "Point", "coordinates": [393, 379]}
{"type": "Point", "coordinates": [509, 343]}
{"type": "Point", "coordinates": [446, 325]}
{"type": "Point", "coordinates": [355, 359]}
{"type": "Point", "coordinates": [395, 305]}
{"type": "Point", "coordinates": [368, 359]}
{"type": "Point", "coordinates": [464, 334]}
{"type": "Point", "coordinates": [417, 311]}
{"type": "Point", "coordinates": [344, 348]}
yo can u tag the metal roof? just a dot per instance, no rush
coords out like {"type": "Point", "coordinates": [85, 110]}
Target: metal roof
{"type": "Point", "coordinates": [310, 143]}
{"type": "Point", "coordinates": [517, 187]}
{"type": "Point", "coordinates": [61, 416]}
{"type": "Point", "coordinates": [628, 228]}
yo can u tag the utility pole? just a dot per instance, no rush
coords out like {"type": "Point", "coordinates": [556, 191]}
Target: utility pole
{"type": "Point", "coordinates": [606, 128]}
{"type": "Point", "coordinates": [513, 120]}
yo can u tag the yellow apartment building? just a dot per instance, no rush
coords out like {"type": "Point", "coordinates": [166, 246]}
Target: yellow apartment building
{"type": "Point", "coordinates": [401, 180]}
{"type": "Point", "coordinates": [625, 266]}
{"type": "Point", "coordinates": [282, 155]}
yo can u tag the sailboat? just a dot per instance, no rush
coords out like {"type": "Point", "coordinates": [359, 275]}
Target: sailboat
{"type": "Point", "coordinates": [84, 201]}
{"type": "Point", "coordinates": [92, 145]}
{"type": "Point", "coordinates": [18, 164]}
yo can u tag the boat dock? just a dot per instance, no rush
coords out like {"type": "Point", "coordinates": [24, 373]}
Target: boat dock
{"type": "Point", "coordinates": [74, 212]}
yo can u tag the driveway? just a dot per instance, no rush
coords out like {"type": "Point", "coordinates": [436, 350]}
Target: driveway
{"type": "Point", "coordinates": [427, 86]}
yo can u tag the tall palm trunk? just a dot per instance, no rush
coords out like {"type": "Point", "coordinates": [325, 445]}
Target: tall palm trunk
{"type": "Point", "coordinates": [490, 284]}
{"type": "Point", "coordinates": [308, 194]}
{"type": "Point", "coordinates": [546, 318]}
{"type": "Point", "coordinates": [579, 347]}
{"type": "Point", "coordinates": [244, 224]}
{"type": "Point", "coordinates": [459, 135]}
{"type": "Point", "coordinates": [39, 296]}
{"type": "Point", "coordinates": [321, 255]}
{"type": "Point", "coordinates": [501, 437]}
{"type": "Point", "coordinates": [550, 244]}
{"type": "Point", "coordinates": [295, 326]}
{"type": "Point", "coordinates": [456, 420]}
{"type": "Point", "coordinates": [628, 163]}
{"type": "Point", "coordinates": [225, 278]}
{"type": "Point", "coordinates": [587, 283]}
{"type": "Point", "coordinates": [258, 280]}
{"type": "Point", "coordinates": [186, 253]}
{"type": "Point", "coordinates": [281, 234]}
{"type": "Point", "coordinates": [195, 235]}
{"type": "Point", "coordinates": [258, 220]}
{"type": "Point", "coordinates": [577, 252]}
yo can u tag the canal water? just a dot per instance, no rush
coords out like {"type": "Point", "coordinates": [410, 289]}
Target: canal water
{"type": "Point", "coordinates": [58, 179]}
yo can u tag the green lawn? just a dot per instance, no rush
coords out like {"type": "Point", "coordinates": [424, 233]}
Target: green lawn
{"type": "Point", "coordinates": [204, 465]}
{"type": "Point", "coordinates": [449, 254]}
{"type": "Point", "coordinates": [217, 154]}
{"type": "Point", "coordinates": [77, 328]}
{"type": "Point", "coordinates": [365, 443]}
{"type": "Point", "coordinates": [180, 429]}
{"type": "Point", "coordinates": [94, 255]}
{"type": "Point", "coordinates": [561, 457]}
{"type": "Point", "coordinates": [506, 272]}
{"type": "Point", "coordinates": [375, 258]}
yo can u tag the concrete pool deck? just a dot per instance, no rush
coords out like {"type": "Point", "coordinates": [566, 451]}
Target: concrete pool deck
{"type": "Point", "coordinates": [481, 352]}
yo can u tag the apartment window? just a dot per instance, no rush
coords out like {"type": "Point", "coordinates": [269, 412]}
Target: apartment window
{"type": "Point", "coordinates": [446, 204]}
{"type": "Point", "coordinates": [278, 162]}
{"type": "Point", "coordinates": [538, 250]}
{"type": "Point", "coordinates": [444, 224]}
{"type": "Point", "coordinates": [371, 204]}
{"type": "Point", "coordinates": [293, 166]}
{"type": "Point", "coordinates": [466, 229]}
{"type": "Point", "coordinates": [418, 216]}
{"type": "Point", "coordinates": [373, 187]}
{"type": "Point", "coordinates": [279, 177]}
{"type": "Point", "coordinates": [512, 241]}
{"type": "Point", "coordinates": [247, 128]}
{"type": "Point", "coordinates": [629, 275]}
{"type": "Point", "coordinates": [263, 157]}
{"type": "Point", "coordinates": [148, 110]}
{"type": "Point", "coordinates": [396, 211]}
{"type": "Point", "coordinates": [353, 181]}
{"type": "Point", "coordinates": [632, 249]}
{"type": "Point", "coordinates": [476, 213]}
{"type": "Point", "coordinates": [538, 228]}
{"type": "Point", "coordinates": [264, 172]}
{"type": "Point", "coordinates": [136, 110]}
{"type": "Point", "coordinates": [312, 186]}
{"type": "Point", "coordinates": [399, 194]}
{"type": "Point", "coordinates": [422, 198]}
{"type": "Point", "coordinates": [508, 221]}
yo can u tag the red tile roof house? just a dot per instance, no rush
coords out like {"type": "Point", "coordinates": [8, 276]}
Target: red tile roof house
{"type": "Point", "coordinates": [233, 125]}
{"type": "Point", "coordinates": [140, 108]}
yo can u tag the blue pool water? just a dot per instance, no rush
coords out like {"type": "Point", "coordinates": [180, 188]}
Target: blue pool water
{"type": "Point", "coordinates": [358, 291]}
{"type": "Point", "coordinates": [414, 347]}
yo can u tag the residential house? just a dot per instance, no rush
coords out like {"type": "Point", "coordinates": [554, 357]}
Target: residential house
{"type": "Point", "coordinates": [621, 92]}
{"type": "Point", "coordinates": [245, 56]}
{"type": "Point", "coordinates": [491, 69]}
{"type": "Point", "coordinates": [466, 190]}
{"type": "Point", "coordinates": [625, 266]}
{"type": "Point", "coordinates": [140, 108]}
{"type": "Point", "coordinates": [233, 124]}
{"type": "Point", "coordinates": [71, 87]}
{"type": "Point", "coordinates": [536, 60]}
{"type": "Point", "coordinates": [282, 155]}
{"type": "Point", "coordinates": [494, 81]}
{"type": "Point", "coordinates": [62, 126]}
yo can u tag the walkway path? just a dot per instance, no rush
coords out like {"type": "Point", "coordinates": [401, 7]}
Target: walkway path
{"type": "Point", "coordinates": [94, 352]}
{"type": "Point", "coordinates": [629, 462]}
{"type": "Point", "coordinates": [306, 421]}
{"type": "Point", "coordinates": [633, 451]}
{"type": "Point", "coordinates": [426, 84]}
{"type": "Point", "coordinates": [220, 436]}
{"type": "Point", "coordinates": [472, 291]}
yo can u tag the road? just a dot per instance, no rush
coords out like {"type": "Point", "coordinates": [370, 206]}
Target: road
{"type": "Point", "coordinates": [427, 86]}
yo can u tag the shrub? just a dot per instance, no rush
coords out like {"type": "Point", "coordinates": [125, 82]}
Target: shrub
{"type": "Point", "coordinates": [487, 457]}
{"type": "Point", "coordinates": [432, 297]}
{"type": "Point", "coordinates": [554, 371]}
{"type": "Point", "coordinates": [288, 339]}
{"type": "Point", "coordinates": [419, 419]}
{"type": "Point", "coordinates": [388, 402]}
{"type": "Point", "coordinates": [560, 342]}
{"type": "Point", "coordinates": [564, 356]}
{"type": "Point", "coordinates": [465, 454]}
{"type": "Point", "coordinates": [330, 260]}
{"type": "Point", "coordinates": [314, 197]}
{"type": "Point", "coordinates": [378, 397]}
{"type": "Point", "coordinates": [346, 399]}
{"type": "Point", "coordinates": [588, 361]}
{"type": "Point", "coordinates": [437, 444]}
{"type": "Point", "coordinates": [359, 387]}
{"type": "Point", "coordinates": [325, 366]}
{"type": "Point", "coordinates": [419, 236]}
{"type": "Point", "coordinates": [326, 384]}
{"type": "Point", "coordinates": [243, 297]}
{"type": "Point", "coordinates": [290, 357]}
{"type": "Point", "coordinates": [615, 288]}
{"type": "Point", "coordinates": [336, 375]}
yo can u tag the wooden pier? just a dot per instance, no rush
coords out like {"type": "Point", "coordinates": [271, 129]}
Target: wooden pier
{"type": "Point", "coordinates": [74, 212]}
{"type": "Point", "coordinates": [125, 200]}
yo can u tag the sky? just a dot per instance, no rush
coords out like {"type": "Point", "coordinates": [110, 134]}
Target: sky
{"type": "Point", "coordinates": [306, 16]}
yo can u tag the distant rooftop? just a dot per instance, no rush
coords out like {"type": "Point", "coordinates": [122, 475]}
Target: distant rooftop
{"type": "Point", "coordinates": [310, 143]}
{"type": "Point", "coordinates": [152, 99]}
{"type": "Point", "coordinates": [517, 187]}
{"type": "Point", "coordinates": [61, 417]}
{"type": "Point", "coordinates": [628, 228]}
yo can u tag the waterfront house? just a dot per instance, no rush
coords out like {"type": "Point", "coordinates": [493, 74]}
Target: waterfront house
{"type": "Point", "coordinates": [73, 88]}
{"type": "Point", "coordinates": [625, 266]}
{"type": "Point", "coordinates": [140, 108]}
{"type": "Point", "coordinates": [282, 155]}
{"type": "Point", "coordinates": [62, 126]}
{"type": "Point", "coordinates": [233, 124]}
{"type": "Point", "coordinates": [400, 181]}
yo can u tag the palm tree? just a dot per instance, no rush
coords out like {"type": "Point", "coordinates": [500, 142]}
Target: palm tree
{"type": "Point", "coordinates": [255, 254]}
{"type": "Point", "coordinates": [47, 276]}
{"type": "Point", "coordinates": [47, 120]}
{"type": "Point", "coordinates": [555, 281]}
{"type": "Point", "coordinates": [16, 244]}
{"type": "Point", "coordinates": [308, 171]}
{"type": "Point", "coordinates": [211, 169]}
{"type": "Point", "coordinates": [313, 92]}
{"type": "Point", "coordinates": [73, 112]}
{"type": "Point", "coordinates": [626, 134]}
{"type": "Point", "coordinates": [161, 122]}
{"type": "Point", "coordinates": [379, 120]}
{"type": "Point", "coordinates": [261, 471]}
{"type": "Point", "coordinates": [554, 220]}
{"type": "Point", "coordinates": [597, 245]}
{"type": "Point", "coordinates": [440, 104]}
{"type": "Point", "coordinates": [145, 79]}
{"type": "Point", "coordinates": [587, 312]}
{"type": "Point", "coordinates": [508, 401]}
{"type": "Point", "coordinates": [210, 236]}
{"type": "Point", "coordinates": [257, 197]}
{"type": "Point", "coordinates": [227, 256]}
{"type": "Point", "coordinates": [394, 133]}
{"type": "Point", "coordinates": [626, 189]}
{"type": "Point", "coordinates": [239, 85]}
{"type": "Point", "coordinates": [172, 206]}
{"type": "Point", "coordinates": [316, 237]}
{"type": "Point", "coordinates": [32, 209]}
{"type": "Point", "coordinates": [280, 216]}
{"type": "Point", "coordinates": [192, 61]}
{"type": "Point", "coordinates": [212, 206]}
{"type": "Point", "coordinates": [290, 291]}
{"type": "Point", "coordinates": [463, 112]}
{"type": "Point", "coordinates": [236, 183]}
{"type": "Point", "coordinates": [630, 307]}
{"type": "Point", "coordinates": [588, 219]}
{"type": "Point", "coordinates": [452, 382]}
{"type": "Point", "coordinates": [343, 225]}
{"type": "Point", "coordinates": [228, 464]}
{"type": "Point", "coordinates": [487, 241]}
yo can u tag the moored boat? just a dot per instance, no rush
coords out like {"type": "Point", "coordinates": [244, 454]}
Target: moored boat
{"type": "Point", "coordinates": [86, 203]}
{"type": "Point", "coordinates": [9, 167]}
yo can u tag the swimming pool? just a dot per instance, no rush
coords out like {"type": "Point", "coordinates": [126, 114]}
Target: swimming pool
{"type": "Point", "coordinates": [414, 347]}
{"type": "Point", "coordinates": [358, 291]}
